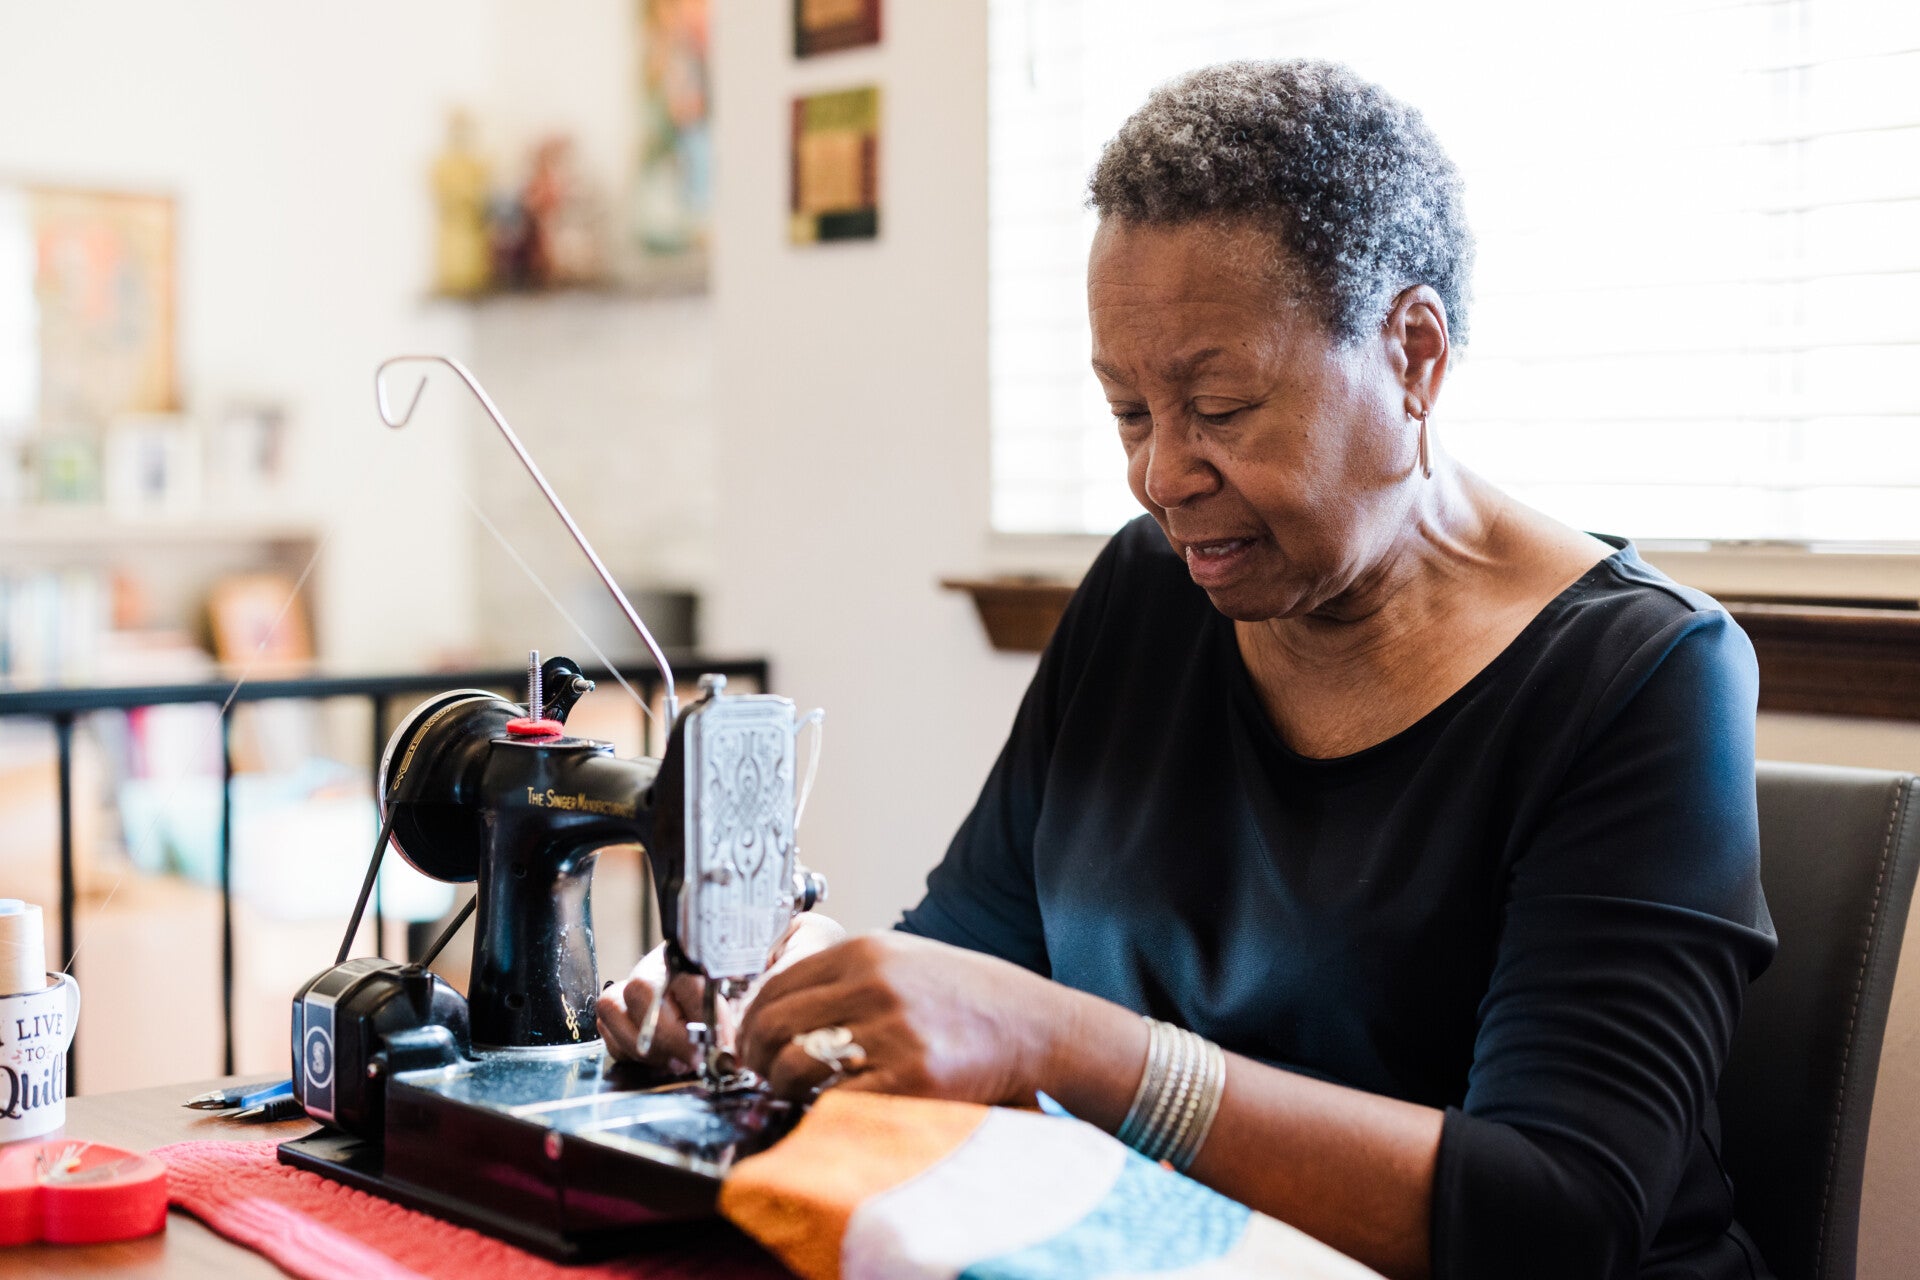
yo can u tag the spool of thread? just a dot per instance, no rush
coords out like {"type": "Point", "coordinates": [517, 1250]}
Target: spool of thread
{"type": "Point", "coordinates": [23, 947]}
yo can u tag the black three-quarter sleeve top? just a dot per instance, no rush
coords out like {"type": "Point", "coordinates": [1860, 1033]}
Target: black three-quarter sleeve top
{"type": "Point", "coordinates": [1537, 908]}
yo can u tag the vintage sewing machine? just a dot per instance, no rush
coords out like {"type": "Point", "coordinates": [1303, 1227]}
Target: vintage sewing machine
{"type": "Point", "coordinates": [499, 1109]}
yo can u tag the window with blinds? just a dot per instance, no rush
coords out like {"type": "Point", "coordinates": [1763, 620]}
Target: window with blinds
{"type": "Point", "coordinates": [1696, 310]}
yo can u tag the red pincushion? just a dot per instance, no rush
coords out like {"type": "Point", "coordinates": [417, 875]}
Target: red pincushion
{"type": "Point", "coordinates": [108, 1194]}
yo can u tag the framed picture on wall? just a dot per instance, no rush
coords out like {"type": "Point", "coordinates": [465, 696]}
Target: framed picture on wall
{"type": "Point", "coordinates": [98, 271]}
{"type": "Point", "coordinates": [827, 26]}
{"type": "Point", "coordinates": [260, 619]}
{"type": "Point", "coordinates": [151, 465]}
{"type": "Point", "coordinates": [836, 166]}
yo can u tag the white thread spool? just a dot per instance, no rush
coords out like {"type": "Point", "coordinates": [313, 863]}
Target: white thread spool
{"type": "Point", "coordinates": [23, 947]}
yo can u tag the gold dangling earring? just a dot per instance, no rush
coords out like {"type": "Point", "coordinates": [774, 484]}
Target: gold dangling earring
{"type": "Point", "coordinates": [1426, 466]}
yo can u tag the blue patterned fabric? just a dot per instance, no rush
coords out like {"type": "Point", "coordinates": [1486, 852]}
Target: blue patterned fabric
{"type": "Point", "coordinates": [1152, 1219]}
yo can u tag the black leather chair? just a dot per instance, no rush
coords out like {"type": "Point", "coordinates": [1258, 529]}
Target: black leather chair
{"type": "Point", "coordinates": [1838, 851]}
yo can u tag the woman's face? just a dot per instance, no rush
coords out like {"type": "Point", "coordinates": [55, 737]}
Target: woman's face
{"type": "Point", "coordinates": [1276, 459]}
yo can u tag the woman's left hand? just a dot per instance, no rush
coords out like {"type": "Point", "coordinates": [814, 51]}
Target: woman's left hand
{"type": "Point", "coordinates": [934, 1021]}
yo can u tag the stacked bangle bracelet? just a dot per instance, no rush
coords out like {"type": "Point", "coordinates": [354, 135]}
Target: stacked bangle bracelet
{"type": "Point", "coordinates": [1179, 1095]}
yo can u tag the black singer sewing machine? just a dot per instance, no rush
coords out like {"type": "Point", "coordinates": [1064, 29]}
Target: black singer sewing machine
{"type": "Point", "coordinates": [499, 1109]}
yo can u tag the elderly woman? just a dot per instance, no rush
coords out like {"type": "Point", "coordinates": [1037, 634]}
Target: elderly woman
{"type": "Point", "coordinates": [1400, 837]}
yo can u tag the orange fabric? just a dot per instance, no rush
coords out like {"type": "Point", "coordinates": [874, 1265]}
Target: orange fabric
{"type": "Point", "coordinates": [797, 1197]}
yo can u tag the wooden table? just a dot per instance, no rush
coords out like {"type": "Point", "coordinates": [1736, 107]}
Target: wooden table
{"type": "Point", "coordinates": [139, 1121]}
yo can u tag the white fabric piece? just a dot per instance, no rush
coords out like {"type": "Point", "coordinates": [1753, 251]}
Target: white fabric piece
{"type": "Point", "coordinates": [1019, 1180]}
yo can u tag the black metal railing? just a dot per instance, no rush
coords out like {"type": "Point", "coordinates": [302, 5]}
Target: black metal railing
{"type": "Point", "coordinates": [63, 706]}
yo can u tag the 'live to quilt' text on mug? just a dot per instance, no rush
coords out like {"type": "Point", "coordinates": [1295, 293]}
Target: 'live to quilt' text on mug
{"type": "Point", "coordinates": [35, 1029]}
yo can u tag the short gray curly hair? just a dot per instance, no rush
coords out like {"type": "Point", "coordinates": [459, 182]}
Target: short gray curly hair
{"type": "Point", "coordinates": [1350, 180]}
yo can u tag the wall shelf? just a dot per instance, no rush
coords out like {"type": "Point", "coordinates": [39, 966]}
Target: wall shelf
{"type": "Point", "coordinates": [1019, 613]}
{"type": "Point", "coordinates": [680, 280]}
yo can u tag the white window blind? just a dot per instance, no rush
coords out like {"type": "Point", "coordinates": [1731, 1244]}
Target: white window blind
{"type": "Point", "coordinates": [1696, 309]}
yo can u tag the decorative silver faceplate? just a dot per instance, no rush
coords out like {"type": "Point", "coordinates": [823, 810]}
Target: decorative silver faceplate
{"type": "Point", "coordinates": [738, 896]}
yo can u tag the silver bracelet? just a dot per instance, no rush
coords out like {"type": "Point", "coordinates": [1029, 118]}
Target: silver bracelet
{"type": "Point", "coordinates": [1189, 1099]}
{"type": "Point", "coordinates": [1180, 1093]}
{"type": "Point", "coordinates": [1212, 1088]}
{"type": "Point", "coordinates": [1153, 1078]}
{"type": "Point", "coordinates": [1160, 1120]}
{"type": "Point", "coordinates": [1178, 1097]}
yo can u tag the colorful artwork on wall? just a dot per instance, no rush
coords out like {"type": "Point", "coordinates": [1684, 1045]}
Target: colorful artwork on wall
{"type": "Point", "coordinates": [836, 166]}
{"type": "Point", "coordinates": [102, 306]}
{"type": "Point", "coordinates": [825, 26]}
{"type": "Point", "coordinates": [673, 189]}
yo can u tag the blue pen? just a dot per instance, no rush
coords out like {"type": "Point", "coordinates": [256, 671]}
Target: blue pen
{"type": "Point", "coordinates": [246, 1096]}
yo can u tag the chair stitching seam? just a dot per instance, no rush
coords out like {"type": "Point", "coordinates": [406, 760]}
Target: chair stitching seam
{"type": "Point", "coordinates": [1894, 819]}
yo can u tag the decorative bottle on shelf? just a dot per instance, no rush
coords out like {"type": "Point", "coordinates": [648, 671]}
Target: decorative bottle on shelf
{"type": "Point", "coordinates": [462, 256]}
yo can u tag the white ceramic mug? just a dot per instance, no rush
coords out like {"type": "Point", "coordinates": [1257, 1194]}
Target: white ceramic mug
{"type": "Point", "coordinates": [35, 1029]}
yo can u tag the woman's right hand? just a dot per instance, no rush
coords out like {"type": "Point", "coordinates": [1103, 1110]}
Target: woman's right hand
{"type": "Point", "coordinates": [622, 1007]}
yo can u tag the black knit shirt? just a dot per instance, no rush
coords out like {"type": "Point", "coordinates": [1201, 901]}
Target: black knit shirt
{"type": "Point", "coordinates": [1538, 907]}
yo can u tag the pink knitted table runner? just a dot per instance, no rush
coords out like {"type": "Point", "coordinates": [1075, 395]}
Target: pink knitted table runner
{"type": "Point", "coordinates": [320, 1230]}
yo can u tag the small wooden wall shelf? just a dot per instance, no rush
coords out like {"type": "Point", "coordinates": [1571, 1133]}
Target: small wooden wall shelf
{"type": "Point", "coordinates": [1018, 613]}
{"type": "Point", "coordinates": [1857, 658]}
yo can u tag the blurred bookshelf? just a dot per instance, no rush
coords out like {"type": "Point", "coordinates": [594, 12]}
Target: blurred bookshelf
{"type": "Point", "coordinates": [87, 595]}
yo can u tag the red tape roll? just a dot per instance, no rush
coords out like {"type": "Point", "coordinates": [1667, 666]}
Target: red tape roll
{"type": "Point", "coordinates": [79, 1193]}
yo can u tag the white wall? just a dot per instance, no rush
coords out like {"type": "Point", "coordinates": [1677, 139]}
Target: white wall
{"type": "Point", "coordinates": [851, 412]}
{"type": "Point", "coordinates": [572, 70]}
{"type": "Point", "coordinates": [297, 141]}
{"type": "Point", "coordinates": [614, 398]}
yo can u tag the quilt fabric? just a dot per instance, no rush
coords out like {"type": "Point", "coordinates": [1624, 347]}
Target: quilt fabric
{"type": "Point", "coordinates": [878, 1188]}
